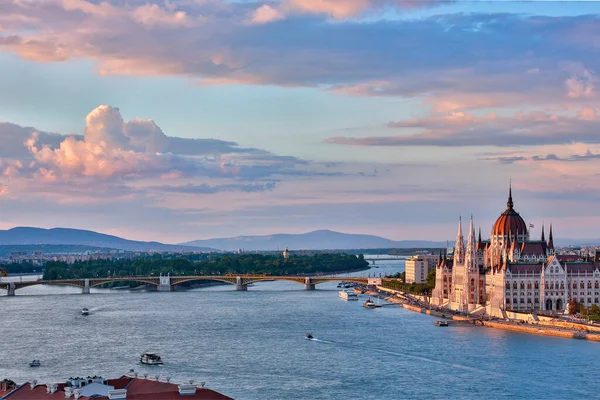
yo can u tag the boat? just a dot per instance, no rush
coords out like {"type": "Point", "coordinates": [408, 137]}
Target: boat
{"type": "Point", "coordinates": [85, 311]}
{"type": "Point", "coordinates": [359, 290]}
{"type": "Point", "coordinates": [370, 304]}
{"type": "Point", "coordinates": [441, 323]}
{"type": "Point", "coordinates": [309, 336]}
{"type": "Point", "coordinates": [150, 358]}
{"type": "Point", "coordinates": [35, 363]}
{"type": "Point", "coordinates": [347, 295]}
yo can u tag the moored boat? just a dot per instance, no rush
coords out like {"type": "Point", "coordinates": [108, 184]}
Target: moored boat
{"type": "Point", "coordinates": [35, 363]}
{"type": "Point", "coordinates": [150, 358]}
{"type": "Point", "coordinates": [441, 323]}
{"type": "Point", "coordinates": [347, 295]}
{"type": "Point", "coordinates": [370, 304]}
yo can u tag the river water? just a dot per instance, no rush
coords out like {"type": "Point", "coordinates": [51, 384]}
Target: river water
{"type": "Point", "coordinates": [250, 345]}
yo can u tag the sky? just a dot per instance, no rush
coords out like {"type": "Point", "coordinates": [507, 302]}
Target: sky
{"type": "Point", "coordinates": [177, 120]}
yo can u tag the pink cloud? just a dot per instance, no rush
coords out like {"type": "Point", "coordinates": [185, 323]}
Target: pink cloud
{"type": "Point", "coordinates": [265, 14]}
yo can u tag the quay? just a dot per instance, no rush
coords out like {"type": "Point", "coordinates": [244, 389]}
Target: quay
{"type": "Point", "coordinates": [167, 283]}
{"type": "Point", "coordinates": [530, 324]}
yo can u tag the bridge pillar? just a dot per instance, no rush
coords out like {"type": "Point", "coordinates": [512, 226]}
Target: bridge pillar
{"type": "Point", "coordinates": [239, 286]}
{"type": "Point", "coordinates": [11, 289]}
{"type": "Point", "coordinates": [86, 287]}
{"type": "Point", "coordinates": [164, 284]}
{"type": "Point", "coordinates": [308, 285]}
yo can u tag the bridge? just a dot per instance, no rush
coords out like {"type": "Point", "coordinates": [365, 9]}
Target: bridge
{"type": "Point", "coordinates": [168, 283]}
{"type": "Point", "coordinates": [390, 258]}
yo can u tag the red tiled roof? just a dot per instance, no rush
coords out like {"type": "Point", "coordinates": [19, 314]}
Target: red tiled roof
{"type": "Point", "coordinates": [137, 389]}
{"type": "Point", "coordinates": [567, 257]}
{"type": "Point", "coordinates": [533, 248]}
{"type": "Point", "coordinates": [581, 267]}
{"type": "Point", "coordinates": [525, 268]}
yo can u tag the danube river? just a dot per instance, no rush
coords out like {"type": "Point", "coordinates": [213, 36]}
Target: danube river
{"type": "Point", "coordinates": [250, 345]}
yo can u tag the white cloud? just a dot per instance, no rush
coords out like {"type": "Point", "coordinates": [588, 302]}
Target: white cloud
{"type": "Point", "coordinates": [265, 14]}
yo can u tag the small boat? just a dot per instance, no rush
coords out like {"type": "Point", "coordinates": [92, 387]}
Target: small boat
{"type": "Point", "coordinates": [35, 363]}
{"type": "Point", "coordinates": [370, 304]}
{"type": "Point", "coordinates": [359, 290]}
{"type": "Point", "coordinates": [441, 323]}
{"type": "Point", "coordinates": [309, 336]}
{"type": "Point", "coordinates": [149, 358]}
{"type": "Point", "coordinates": [347, 295]}
{"type": "Point", "coordinates": [85, 311]}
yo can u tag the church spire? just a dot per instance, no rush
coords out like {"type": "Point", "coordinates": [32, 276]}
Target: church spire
{"type": "Point", "coordinates": [543, 236]}
{"type": "Point", "coordinates": [550, 239]}
{"type": "Point", "coordinates": [471, 244]}
{"type": "Point", "coordinates": [459, 248]}
{"type": "Point", "coordinates": [509, 203]}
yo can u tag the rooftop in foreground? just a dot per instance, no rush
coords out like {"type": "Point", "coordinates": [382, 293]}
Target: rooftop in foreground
{"type": "Point", "coordinates": [133, 386]}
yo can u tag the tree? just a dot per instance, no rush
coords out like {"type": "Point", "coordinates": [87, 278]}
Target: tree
{"type": "Point", "coordinates": [573, 307]}
{"type": "Point", "coordinates": [431, 278]}
{"type": "Point", "coordinates": [594, 310]}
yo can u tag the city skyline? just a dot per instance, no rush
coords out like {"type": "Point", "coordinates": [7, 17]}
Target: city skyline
{"type": "Point", "coordinates": [184, 120]}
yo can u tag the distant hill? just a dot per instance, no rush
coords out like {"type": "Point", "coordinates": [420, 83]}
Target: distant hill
{"type": "Point", "coordinates": [65, 236]}
{"type": "Point", "coordinates": [316, 240]}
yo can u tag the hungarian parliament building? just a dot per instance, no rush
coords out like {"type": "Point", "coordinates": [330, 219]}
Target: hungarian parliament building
{"type": "Point", "coordinates": [511, 272]}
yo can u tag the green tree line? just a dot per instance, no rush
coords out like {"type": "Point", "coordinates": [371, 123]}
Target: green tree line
{"type": "Point", "coordinates": [323, 263]}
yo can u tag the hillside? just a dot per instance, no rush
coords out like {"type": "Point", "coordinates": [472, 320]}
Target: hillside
{"type": "Point", "coordinates": [316, 240]}
{"type": "Point", "coordinates": [65, 236]}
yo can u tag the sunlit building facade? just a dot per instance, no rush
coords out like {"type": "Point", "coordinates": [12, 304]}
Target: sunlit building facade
{"type": "Point", "coordinates": [512, 272]}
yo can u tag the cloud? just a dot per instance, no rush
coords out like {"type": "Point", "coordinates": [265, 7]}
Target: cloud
{"type": "Point", "coordinates": [422, 59]}
{"type": "Point", "coordinates": [211, 189]}
{"type": "Point", "coordinates": [466, 130]}
{"type": "Point", "coordinates": [112, 148]}
{"type": "Point", "coordinates": [265, 14]}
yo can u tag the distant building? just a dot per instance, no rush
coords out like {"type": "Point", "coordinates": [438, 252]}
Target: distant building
{"type": "Point", "coordinates": [286, 253]}
{"type": "Point", "coordinates": [419, 266]}
{"type": "Point", "coordinates": [511, 272]}
{"type": "Point", "coordinates": [133, 386]}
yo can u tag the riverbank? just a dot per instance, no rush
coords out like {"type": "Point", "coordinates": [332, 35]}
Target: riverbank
{"type": "Point", "coordinates": [546, 328]}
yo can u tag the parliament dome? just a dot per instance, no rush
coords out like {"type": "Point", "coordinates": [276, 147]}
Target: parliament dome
{"type": "Point", "coordinates": [510, 222]}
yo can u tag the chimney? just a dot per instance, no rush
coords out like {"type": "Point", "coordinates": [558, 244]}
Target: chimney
{"type": "Point", "coordinates": [117, 394]}
{"type": "Point", "coordinates": [187, 389]}
{"type": "Point", "coordinates": [76, 393]}
{"type": "Point", "coordinates": [33, 384]}
{"type": "Point", "coordinates": [200, 385]}
{"type": "Point", "coordinates": [68, 391]}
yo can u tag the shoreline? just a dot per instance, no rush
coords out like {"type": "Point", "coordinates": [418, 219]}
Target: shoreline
{"type": "Point", "coordinates": [567, 331]}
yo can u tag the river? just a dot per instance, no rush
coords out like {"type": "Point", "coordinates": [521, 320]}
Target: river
{"type": "Point", "coordinates": [250, 345]}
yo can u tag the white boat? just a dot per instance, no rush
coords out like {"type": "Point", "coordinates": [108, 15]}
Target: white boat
{"type": "Point", "coordinates": [441, 323]}
{"type": "Point", "coordinates": [347, 295]}
{"type": "Point", "coordinates": [35, 363]}
{"type": "Point", "coordinates": [370, 304]}
{"type": "Point", "coordinates": [149, 358]}
{"type": "Point", "coordinates": [85, 311]}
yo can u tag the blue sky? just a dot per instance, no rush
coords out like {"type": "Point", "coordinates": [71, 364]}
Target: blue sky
{"type": "Point", "coordinates": [184, 120]}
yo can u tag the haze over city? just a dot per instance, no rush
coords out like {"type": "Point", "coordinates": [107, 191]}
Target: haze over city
{"type": "Point", "coordinates": [215, 118]}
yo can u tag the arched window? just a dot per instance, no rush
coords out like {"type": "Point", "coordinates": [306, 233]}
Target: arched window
{"type": "Point", "coordinates": [514, 284]}
{"type": "Point", "coordinates": [528, 285]}
{"type": "Point", "coordinates": [537, 285]}
{"type": "Point", "coordinates": [596, 285]}
{"type": "Point", "coordinates": [562, 285]}
{"type": "Point", "coordinates": [522, 285]}
{"type": "Point", "coordinates": [508, 285]}
{"type": "Point", "coordinates": [546, 285]}
{"type": "Point", "coordinates": [589, 285]}
{"type": "Point", "coordinates": [582, 285]}
{"type": "Point", "coordinates": [574, 285]}
{"type": "Point", "coordinates": [551, 285]}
